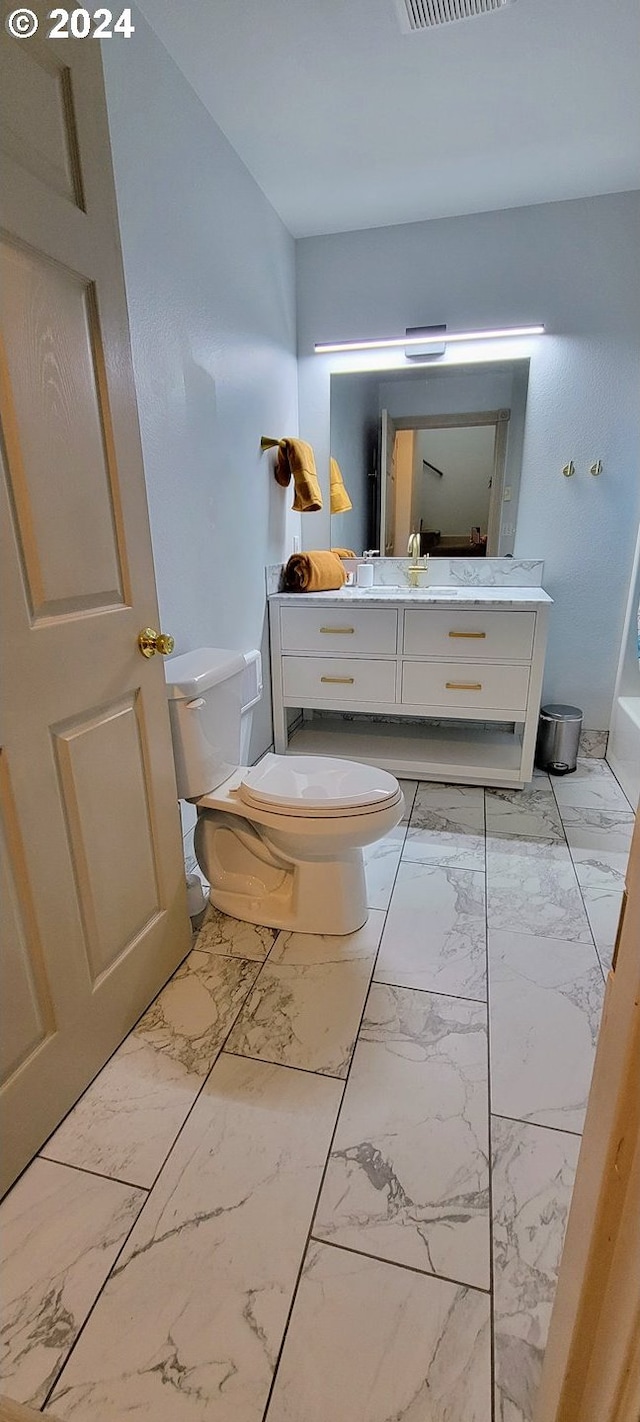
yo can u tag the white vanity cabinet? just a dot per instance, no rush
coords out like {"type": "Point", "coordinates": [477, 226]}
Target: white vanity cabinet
{"type": "Point", "coordinates": [445, 687]}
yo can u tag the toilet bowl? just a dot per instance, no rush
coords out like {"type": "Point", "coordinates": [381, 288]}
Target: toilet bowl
{"type": "Point", "coordinates": [280, 843]}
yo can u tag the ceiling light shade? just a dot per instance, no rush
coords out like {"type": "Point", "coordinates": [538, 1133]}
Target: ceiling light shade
{"type": "Point", "coordinates": [497, 333]}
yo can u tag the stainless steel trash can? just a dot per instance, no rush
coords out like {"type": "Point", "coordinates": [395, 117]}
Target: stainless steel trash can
{"type": "Point", "coordinates": [558, 739]}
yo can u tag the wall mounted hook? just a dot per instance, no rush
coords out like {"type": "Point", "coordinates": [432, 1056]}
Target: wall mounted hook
{"type": "Point", "coordinates": [569, 469]}
{"type": "Point", "coordinates": [596, 467]}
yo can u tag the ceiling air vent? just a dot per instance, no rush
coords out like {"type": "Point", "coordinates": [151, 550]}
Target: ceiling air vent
{"type": "Point", "coordinates": [422, 14]}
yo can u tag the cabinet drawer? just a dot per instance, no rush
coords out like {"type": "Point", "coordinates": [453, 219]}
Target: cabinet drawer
{"type": "Point", "coordinates": [474, 634]}
{"type": "Point", "coordinates": [461, 684]}
{"type": "Point", "coordinates": [317, 679]}
{"type": "Point", "coordinates": [337, 629]}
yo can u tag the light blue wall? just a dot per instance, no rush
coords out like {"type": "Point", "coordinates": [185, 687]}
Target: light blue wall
{"type": "Point", "coordinates": [210, 281]}
{"type": "Point", "coordinates": [574, 266]}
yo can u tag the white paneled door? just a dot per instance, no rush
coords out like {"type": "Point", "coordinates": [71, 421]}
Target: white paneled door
{"type": "Point", "coordinates": [94, 909]}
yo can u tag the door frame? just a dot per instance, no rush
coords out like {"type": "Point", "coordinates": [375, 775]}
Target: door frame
{"type": "Point", "coordinates": [591, 1370]}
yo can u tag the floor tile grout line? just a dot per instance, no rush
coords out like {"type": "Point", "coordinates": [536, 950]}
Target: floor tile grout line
{"type": "Point", "coordinates": [432, 992]}
{"type": "Point", "coordinates": [151, 1189]}
{"type": "Point", "coordinates": [396, 1264]}
{"type": "Point", "coordinates": [582, 898]}
{"type": "Point", "coordinates": [440, 864]}
{"type": "Point", "coordinates": [605, 971]}
{"type": "Point", "coordinates": [492, 1296]}
{"type": "Point", "coordinates": [230, 957]}
{"type": "Point", "coordinates": [304, 1252]}
{"type": "Point", "coordinates": [85, 1170]}
{"type": "Point", "coordinates": [288, 1066]}
{"type": "Point", "coordinates": [85, 1321]}
{"type": "Point", "coordinates": [413, 801]}
{"type": "Point", "coordinates": [539, 1125]}
{"type": "Point", "coordinates": [562, 942]}
{"type": "Point", "coordinates": [309, 1236]}
{"type": "Point", "coordinates": [586, 886]}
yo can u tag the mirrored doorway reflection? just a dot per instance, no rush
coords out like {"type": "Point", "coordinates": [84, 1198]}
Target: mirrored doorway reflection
{"type": "Point", "coordinates": [444, 479]}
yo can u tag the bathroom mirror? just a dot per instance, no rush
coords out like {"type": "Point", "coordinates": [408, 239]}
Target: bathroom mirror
{"type": "Point", "coordinates": [431, 451]}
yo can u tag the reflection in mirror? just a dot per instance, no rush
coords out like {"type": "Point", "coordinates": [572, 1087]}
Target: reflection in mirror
{"type": "Point", "coordinates": [431, 451]}
{"type": "Point", "coordinates": [443, 479]}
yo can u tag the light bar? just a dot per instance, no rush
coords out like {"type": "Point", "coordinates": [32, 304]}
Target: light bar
{"type": "Point", "coordinates": [400, 342]}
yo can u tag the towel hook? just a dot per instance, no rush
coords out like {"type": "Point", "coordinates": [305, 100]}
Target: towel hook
{"type": "Point", "coordinates": [266, 443]}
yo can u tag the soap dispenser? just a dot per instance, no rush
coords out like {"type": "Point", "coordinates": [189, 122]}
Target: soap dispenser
{"type": "Point", "coordinates": [364, 571]}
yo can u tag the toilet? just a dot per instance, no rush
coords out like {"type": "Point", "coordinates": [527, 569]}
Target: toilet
{"type": "Point", "coordinates": [280, 843]}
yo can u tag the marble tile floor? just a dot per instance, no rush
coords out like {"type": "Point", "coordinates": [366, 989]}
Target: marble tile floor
{"type": "Point", "coordinates": [329, 1178]}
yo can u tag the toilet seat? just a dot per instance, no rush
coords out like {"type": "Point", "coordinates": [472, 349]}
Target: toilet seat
{"type": "Point", "coordinates": [317, 787]}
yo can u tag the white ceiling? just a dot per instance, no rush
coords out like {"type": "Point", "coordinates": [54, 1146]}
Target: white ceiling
{"type": "Point", "coordinates": [346, 122]}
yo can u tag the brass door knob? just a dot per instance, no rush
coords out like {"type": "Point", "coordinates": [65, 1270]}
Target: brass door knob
{"type": "Point", "coordinates": [150, 642]}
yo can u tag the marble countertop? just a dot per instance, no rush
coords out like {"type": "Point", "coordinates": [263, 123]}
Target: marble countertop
{"type": "Point", "coordinates": [520, 598]}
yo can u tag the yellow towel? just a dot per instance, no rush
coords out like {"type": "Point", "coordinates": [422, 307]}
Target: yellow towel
{"type": "Point", "coordinates": [296, 459]}
{"type": "Point", "coordinates": [344, 552]}
{"type": "Point", "coordinates": [339, 498]}
{"type": "Point", "coordinates": [314, 572]}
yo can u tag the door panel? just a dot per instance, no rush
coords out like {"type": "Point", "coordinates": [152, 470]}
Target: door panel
{"type": "Point", "coordinates": [103, 783]}
{"type": "Point", "coordinates": [36, 112]}
{"type": "Point", "coordinates": [96, 901]}
{"type": "Point", "coordinates": [23, 983]}
{"type": "Point", "coordinates": [57, 418]}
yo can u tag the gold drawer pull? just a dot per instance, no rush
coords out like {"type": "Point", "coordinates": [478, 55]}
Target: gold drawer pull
{"type": "Point", "coordinates": [467, 634]}
{"type": "Point", "coordinates": [463, 685]}
{"type": "Point", "coordinates": [347, 680]}
{"type": "Point", "coordinates": [335, 630]}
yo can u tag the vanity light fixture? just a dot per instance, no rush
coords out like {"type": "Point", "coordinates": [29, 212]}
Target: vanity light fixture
{"type": "Point", "coordinates": [399, 342]}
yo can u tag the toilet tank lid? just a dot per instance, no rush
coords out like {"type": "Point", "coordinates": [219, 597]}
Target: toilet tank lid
{"type": "Point", "coordinates": [192, 673]}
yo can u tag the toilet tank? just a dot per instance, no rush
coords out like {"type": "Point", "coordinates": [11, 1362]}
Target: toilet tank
{"type": "Point", "coordinates": [205, 690]}
{"type": "Point", "coordinates": [251, 695]}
